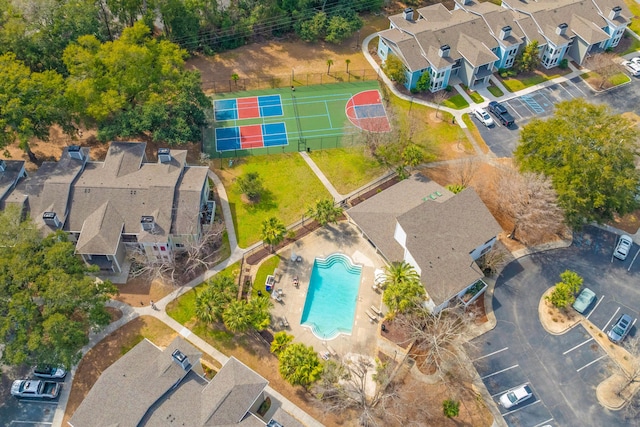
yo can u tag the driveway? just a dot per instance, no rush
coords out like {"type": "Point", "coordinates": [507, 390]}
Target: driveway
{"type": "Point", "coordinates": [540, 104]}
{"type": "Point", "coordinates": [563, 370]}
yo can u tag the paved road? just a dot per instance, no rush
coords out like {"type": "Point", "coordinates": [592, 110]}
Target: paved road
{"type": "Point", "coordinates": [563, 370]}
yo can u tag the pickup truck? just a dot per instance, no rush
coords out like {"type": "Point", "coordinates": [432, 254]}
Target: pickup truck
{"type": "Point", "coordinates": [501, 113]}
{"type": "Point", "coordinates": [35, 389]}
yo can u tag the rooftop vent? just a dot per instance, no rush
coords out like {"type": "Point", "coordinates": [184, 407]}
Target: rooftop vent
{"type": "Point", "coordinates": [181, 359]}
{"type": "Point", "coordinates": [444, 50]}
{"type": "Point", "coordinates": [148, 223]}
{"type": "Point", "coordinates": [505, 32]}
{"type": "Point", "coordinates": [615, 12]}
{"type": "Point", "coordinates": [561, 30]}
{"type": "Point", "coordinates": [164, 155]}
{"type": "Point", "coordinates": [3, 165]}
{"type": "Point", "coordinates": [51, 219]}
{"type": "Point", "coordinates": [75, 152]}
{"type": "Point", "coordinates": [408, 14]}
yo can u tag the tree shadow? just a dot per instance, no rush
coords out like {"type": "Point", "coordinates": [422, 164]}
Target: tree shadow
{"type": "Point", "coordinates": [340, 234]}
{"type": "Point", "coordinates": [266, 202]}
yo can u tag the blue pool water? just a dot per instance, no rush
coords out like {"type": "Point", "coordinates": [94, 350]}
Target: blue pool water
{"type": "Point", "coordinates": [331, 298]}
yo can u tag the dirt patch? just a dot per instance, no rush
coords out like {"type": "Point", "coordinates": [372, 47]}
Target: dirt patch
{"type": "Point", "coordinates": [141, 291]}
{"type": "Point", "coordinates": [554, 320]}
{"type": "Point", "coordinates": [629, 223]}
{"type": "Point", "coordinates": [114, 313]}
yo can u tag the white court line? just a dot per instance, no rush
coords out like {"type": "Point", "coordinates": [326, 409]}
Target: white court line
{"type": "Point", "coordinates": [579, 345]}
{"type": "Point", "coordinates": [499, 372]}
{"type": "Point", "coordinates": [596, 306]}
{"type": "Point", "coordinates": [591, 363]}
{"type": "Point", "coordinates": [610, 319]}
{"type": "Point", "coordinates": [519, 409]}
{"type": "Point", "coordinates": [544, 422]}
{"type": "Point", "coordinates": [30, 422]}
{"type": "Point", "coordinates": [490, 354]}
{"type": "Point", "coordinates": [326, 106]}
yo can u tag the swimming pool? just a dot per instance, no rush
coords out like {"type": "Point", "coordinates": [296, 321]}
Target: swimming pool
{"type": "Point", "coordinates": [331, 298]}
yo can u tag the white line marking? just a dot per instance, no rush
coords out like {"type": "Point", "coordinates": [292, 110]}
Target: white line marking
{"type": "Point", "coordinates": [596, 306]}
{"type": "Point", "coordinates": [591, 363]}
{"type": "Point", "coordinates": [610, 319]}
{"type": "Point", "coordinates": [514, 108]}
{"type": "Point", "coordinates": [31, 422]}
{"type": "Point", "coordinates": [544, 422]}
{"type": "Point", "coordinates": [326, 106]}
{"type": "Point", "coordinates": [491, 354]}
{"type": "Point", "coordinates": [499, 372]}
{"type": "Point", "coordinates": [519, 409]}
{"type": "Point", "coordinates": [579, 345]}
{"type": "Point", "coordinates": [576, 86]}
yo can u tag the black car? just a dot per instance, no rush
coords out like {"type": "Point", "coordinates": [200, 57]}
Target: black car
{"type": "Point", "coordinates": [501, 113]}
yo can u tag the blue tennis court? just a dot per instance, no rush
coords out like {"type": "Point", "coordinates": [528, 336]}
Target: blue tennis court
{"type": "Point", "coordinates": [252, 107]}
{"type": "Point", "coordinates": [370, 111]}
{"type": "Point", "coordinates": [251, 136]}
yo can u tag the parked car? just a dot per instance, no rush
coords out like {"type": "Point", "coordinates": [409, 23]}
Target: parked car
{"type": "Point", "coordinates": [516, 396]}
{"type": "Point", "coordinates": [501, 113]}
{"type": "Point", "coordinates": [620, 329]}
{"type": "Point", "coordinates": [484, 117]}
{"type": "Point", "coordinates": [635, 60]}
{"type": "Point", "coordinates": [49, 372]}
{"type": "Point", "coordinates": [623, 247]}
{"type": "Point", "coordinates": [632, 67]}
{"type": "Point", "coordinates": [35, 389]}
{"type": "Point", "coordinates": [584, 300]}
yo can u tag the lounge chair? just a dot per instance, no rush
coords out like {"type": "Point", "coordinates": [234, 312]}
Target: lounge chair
{"type": "Point", "coordinates": [372, 316]}
{"type": "Point", "coordinates": [325, 355]}
{"type": "Point", "coordinates": [376, 310]}
{"type": "Point", "coordinates": [331, 350]}
{"type": "Point", "coordinates": [285, 322]}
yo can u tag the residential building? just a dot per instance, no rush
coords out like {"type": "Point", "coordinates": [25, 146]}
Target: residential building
{"type": "Point", "coordinates": [119, 204]}
{"type": "Point", "coordinates": [472, 41]}
{"type": "Point", "coordinates": [439, 233]}
{"type": "Point", "coordinates": [11, 172]}
{"type": "Point", "coordinates": [149, 386]}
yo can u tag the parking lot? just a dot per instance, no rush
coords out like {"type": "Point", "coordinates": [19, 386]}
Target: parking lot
{"type": "Point", "coordinates": [24, 412]}
{"type": "Point", "coordinates": [540, 104]}
{"type": "Point", "coordinates": [563, 371]}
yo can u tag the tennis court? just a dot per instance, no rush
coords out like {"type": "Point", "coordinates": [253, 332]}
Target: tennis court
{"type": "Point", "coordinates": [282, 120]}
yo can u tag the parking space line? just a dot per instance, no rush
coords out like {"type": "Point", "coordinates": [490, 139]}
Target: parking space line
{"type": "Point", "coordinates": [512, 107]}
{"type": "Point", "coordinates": [499, 372]}
{"type": "Point", "coordinates": [576, 86]}
{"type": "Point", "coordinates": [544, 422]}
{"type": "Point", "coordinates": [591, 363]}
{"type": "Point", "coordinates": [545, 97]}
{"type": "Point", "coordinates": [610, 319]}
{"type": "Point", "coordinates": [490, 354]}
{"type": "Point", "coordinates": [596, 306]}
{"type": "Point", "coordinates": [519, 409]}
{"type": "Point", "coordinates": [579, 345]}
{"type": "Point", "coordinates": [30, 422]}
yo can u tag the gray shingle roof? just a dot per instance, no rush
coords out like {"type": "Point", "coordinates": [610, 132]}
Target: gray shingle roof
{"type": "Point", "coordinates": [10, 175]}
{"type": "Point", "coordinates": [376, 216]}
{"type": "Point", "coordinates": [187, 200]}
{"type": "Point", "coordinates": [441, 236]}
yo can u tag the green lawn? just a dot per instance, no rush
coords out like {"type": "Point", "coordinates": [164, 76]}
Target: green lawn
{"type": "Point", "coordinates": [594, 79]}
{"type": "Point", "coordinates": [635, 11]}
{"type": "Point", "coordinates": [476, 97]}
{"type": "Point", "coordinates": [456, 102]}
{"type": "Point", "coordinates": [495, 91]}
{"type": "Point", "coordinates": [619, 78]}
{"type": "Point", "coordinates": [265, 269]}
{"type": "Point", "coordinates": [515, 84]}
{"type": "Point", "coordinates": [634, 47]}
{"type": "Point", "coordinates": [348, 168]}
{"type": "Point", "coordinates": [471, 124]}
{"type": "Point", "coordinates": [290, 189]}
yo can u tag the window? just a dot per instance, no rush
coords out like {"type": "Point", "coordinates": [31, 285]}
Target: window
{"type": "Point", "coordinates": [179, 245]}
{"type": "Point", "coordinates": [163, 248]}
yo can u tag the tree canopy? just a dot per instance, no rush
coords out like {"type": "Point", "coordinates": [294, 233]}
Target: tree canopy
{"type": "Point", "coordinates": [135, 85]}
{"type": "Point", "coordinates": [589, 153]}
{"type": "Point", "coordinates": [403, 289]}
{"type": "Point", "coordinates": [48, 305]}
{"type": "Point", "coordinates": [299, 364]}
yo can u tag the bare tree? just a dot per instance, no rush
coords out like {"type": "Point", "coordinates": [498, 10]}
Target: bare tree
{"type": "Point", "coordinates": [197, 254]}
{"type": "Point", "coordinates": [464, 171]}
{"type": "Point", "coordinates": [439, 98]}
{"type": "Point", "coordinates": [628, 370]}
{"type": "Point", "coordinates": [438, 336]}
{"type": "Point", "coordinates": [494, 261]}
{"type": "Point", "coordinates": [358, 383]}
{"type": "Point", "coordinates": [530, 202]}
{"type": "Point", "coordinates": [605, 64]}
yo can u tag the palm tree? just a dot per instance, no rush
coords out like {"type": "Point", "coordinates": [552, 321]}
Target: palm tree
{"type": "Point", "coordinates": [325, 212]}
{"type": "Point", "coordinates": [400, 272]}
{"type": "Point", "coordinates": [280, 341]}
{"type": "Point", "coordinates": [347, 61]}
{"type": "Point", "coordinates": [403, 289]}
{"type": "Point", "coordinates": [237, 316]}
{"type": "Point", "coordinates": [299, 365]}
{"type": "Point", "coordinates": [329, 64]}
{"type": "Point", "coordinates": [273, 232]}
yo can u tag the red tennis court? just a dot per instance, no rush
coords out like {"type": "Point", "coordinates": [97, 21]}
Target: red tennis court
{"type": "Point", "coordinates": [365, 110]}
{"type": "Point", "coordinates": [251, 136]}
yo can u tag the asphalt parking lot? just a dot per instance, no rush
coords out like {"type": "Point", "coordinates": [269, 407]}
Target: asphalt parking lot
{"type": "Point", "coordinates": [564, 370]}
{"type": "Point", "coordinates": [503, 141]}
{"type": "Point", "coordinates": [24, 412]}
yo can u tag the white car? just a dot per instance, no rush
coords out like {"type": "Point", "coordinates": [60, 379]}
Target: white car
{"type": "Point", "coordinates": [483, 116]}
{"type": "Point", "coordinates": [515, 396]}
{"type": "Point", "coordinates": [623, 247]}
{"type": "Point", "coordinates": [632, 67]}
{"type": "Point", "coordinates": [635, 60]}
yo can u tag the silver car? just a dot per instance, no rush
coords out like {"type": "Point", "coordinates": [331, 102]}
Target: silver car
{"type": "Point", "coordinates": [622, 248]}
{"type": "Point", "coordinates": [620, 329]}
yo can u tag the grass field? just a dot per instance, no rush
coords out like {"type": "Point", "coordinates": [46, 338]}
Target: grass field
{"type": "Point", "coordinates": [456, 102]}
{"type": "Point", "coordinates": [348, 168]}
{"type": "Point", "coordinates": [635, 11]}
{"type": "Point", "coordinates": [265, 269]}
{"type": "Point", "coordinates": [290, 189]}
{"type": "Point", "coordinates": [495, 91]}
{"type": "Point", "coordinates": [314, 117]}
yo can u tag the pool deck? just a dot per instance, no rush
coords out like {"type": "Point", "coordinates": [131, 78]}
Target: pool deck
{"type": "Point", "coordinates": [342, 238]}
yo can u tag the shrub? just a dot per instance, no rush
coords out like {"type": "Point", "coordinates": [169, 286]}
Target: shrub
{"type": "Point", "coordinates": [450, 408]}
{"type": "Point", "coordinates": [564, 64]}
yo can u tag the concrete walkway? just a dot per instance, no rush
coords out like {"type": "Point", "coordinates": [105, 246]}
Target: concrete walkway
{"type": "Point", "coordinates": [337, 197]}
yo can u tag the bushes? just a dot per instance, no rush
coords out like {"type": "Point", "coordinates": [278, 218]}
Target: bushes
{"type": "Point", "coordinates": [564, 293]}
